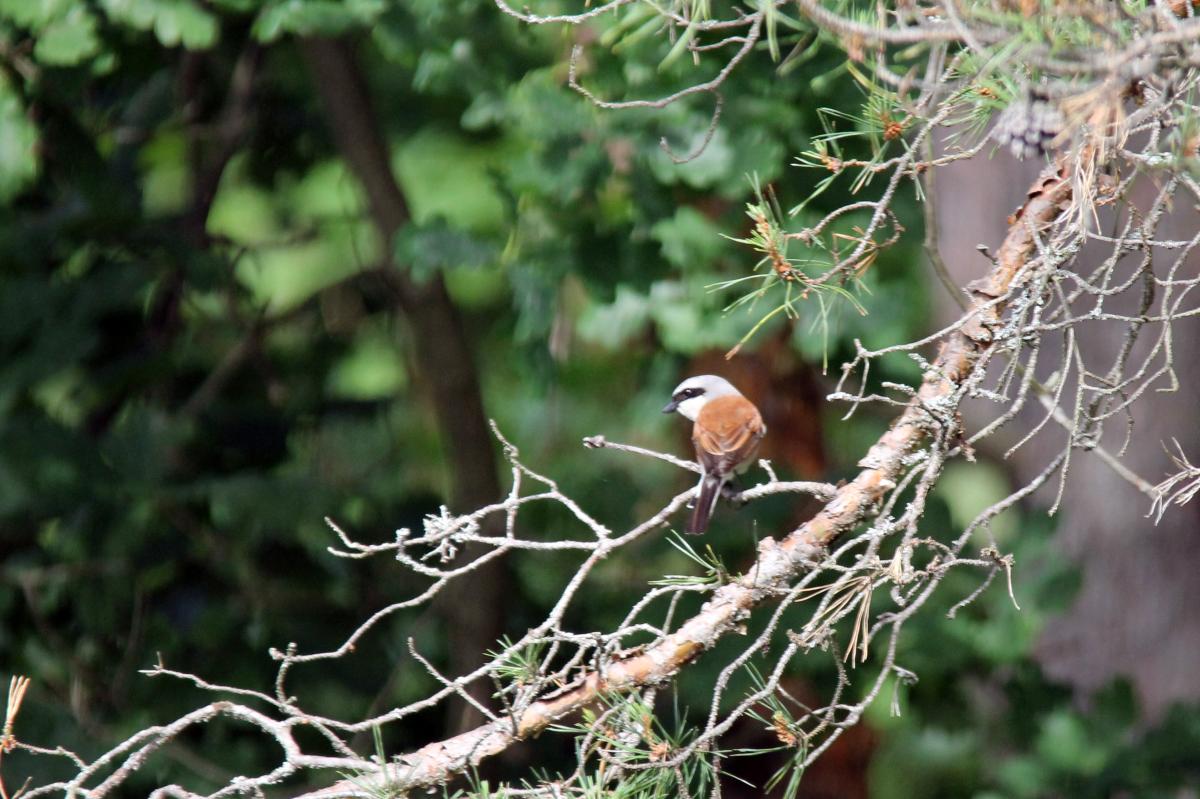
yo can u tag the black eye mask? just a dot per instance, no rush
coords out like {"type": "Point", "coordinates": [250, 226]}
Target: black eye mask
{"type": "Point", "coordinates": [686, 394]}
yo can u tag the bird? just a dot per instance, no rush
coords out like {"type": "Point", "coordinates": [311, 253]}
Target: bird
{"type": "Point", "coordinates": [726, 431]}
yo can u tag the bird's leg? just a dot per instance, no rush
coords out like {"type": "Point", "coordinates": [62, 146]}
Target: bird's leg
{"type": "Point", "coordinates": [732, 491]}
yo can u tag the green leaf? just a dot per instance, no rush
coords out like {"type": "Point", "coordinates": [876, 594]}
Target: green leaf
{"type": "Point", "coordinates": [689, 239]}
{"type": "Point", "coordinates": [373, 369]}
{"type": "Point", "coordinates": [284, 276]}
{"type": "Point", "coordinates": [244, 6]}
{"type": "Point", "coordinates": [541, 103]}
{"type": "Point", "coordinates": [315, 17]}
{"type": "Point", "coordinates": [486, 110]}
{"type": "Point", "coordinates": [165, 178]}
{"type": "Point", "coordinates": [1024, 776]}
{"type": "Point", "coordinates": [968, 489]}
{"type": "Point", "coordinates": [174, 22]}
{"type": "Point", "coordinates": [18, 144]}
{"type": "Point", "coordinates": [68, 41]}
{"type": "Point", "coordinates": [34, 14]}
{"type": "Point", "coordinates": [185, 23]}
{"type": "Point", "coordinates": [444, 175]}
{"type": "Point", "coordinates": [138, 447]}
{"type": "Point", "coordinates": [714, 166]}
{"type": "Point", "coordinates": [1064, 743]}
{"type": "Point", "coordinates": [427, 249]}
{"type": "Point", "coordinates": [244, 213]}
{"type": "Point", "coordinates": [612, 324]}
{"type": "Point", "coordinates": [327, 191]}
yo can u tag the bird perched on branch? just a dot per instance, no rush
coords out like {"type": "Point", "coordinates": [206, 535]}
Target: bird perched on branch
{"type": "Point", "coordinates": [726, 431]}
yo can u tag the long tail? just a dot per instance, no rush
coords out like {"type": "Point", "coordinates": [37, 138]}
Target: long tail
{"type": "Point", "coordinates": [710, 489]}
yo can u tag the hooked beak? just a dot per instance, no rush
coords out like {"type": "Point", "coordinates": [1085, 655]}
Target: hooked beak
{"type": "Point", "coordinates": [670, 406]}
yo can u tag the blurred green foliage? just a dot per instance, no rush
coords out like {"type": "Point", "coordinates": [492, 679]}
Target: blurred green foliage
{"type": "Point", "coordinates": [192, 377]}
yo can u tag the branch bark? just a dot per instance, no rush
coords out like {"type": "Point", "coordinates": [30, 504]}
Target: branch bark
{"type": "Point", "coordinates": [778, 562]}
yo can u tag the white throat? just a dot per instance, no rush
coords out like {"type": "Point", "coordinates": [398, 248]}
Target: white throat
{"type": "Point", "coordinates": [690, 408]}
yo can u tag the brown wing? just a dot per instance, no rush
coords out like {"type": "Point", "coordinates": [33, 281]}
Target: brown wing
{"type": "Point", "coordinates": [727, 434]}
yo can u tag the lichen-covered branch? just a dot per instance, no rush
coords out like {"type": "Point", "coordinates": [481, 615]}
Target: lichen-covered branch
{"type": "Point", "coordinates": [779, 562]}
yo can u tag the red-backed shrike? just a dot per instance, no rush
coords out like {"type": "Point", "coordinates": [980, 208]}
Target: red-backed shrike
{"type": "Point", "coordinates": [726, 430]}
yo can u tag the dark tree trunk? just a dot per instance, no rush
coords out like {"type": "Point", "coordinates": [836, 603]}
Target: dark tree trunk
{"type": "Point", "coordinates": [445, 363]}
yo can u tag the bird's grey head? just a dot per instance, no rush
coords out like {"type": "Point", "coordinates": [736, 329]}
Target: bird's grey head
{"type": "Point", "coordinates": [692, 394]}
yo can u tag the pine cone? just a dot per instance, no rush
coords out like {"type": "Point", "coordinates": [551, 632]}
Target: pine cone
{"type": "Point", "coordinates": [1029, 125]}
